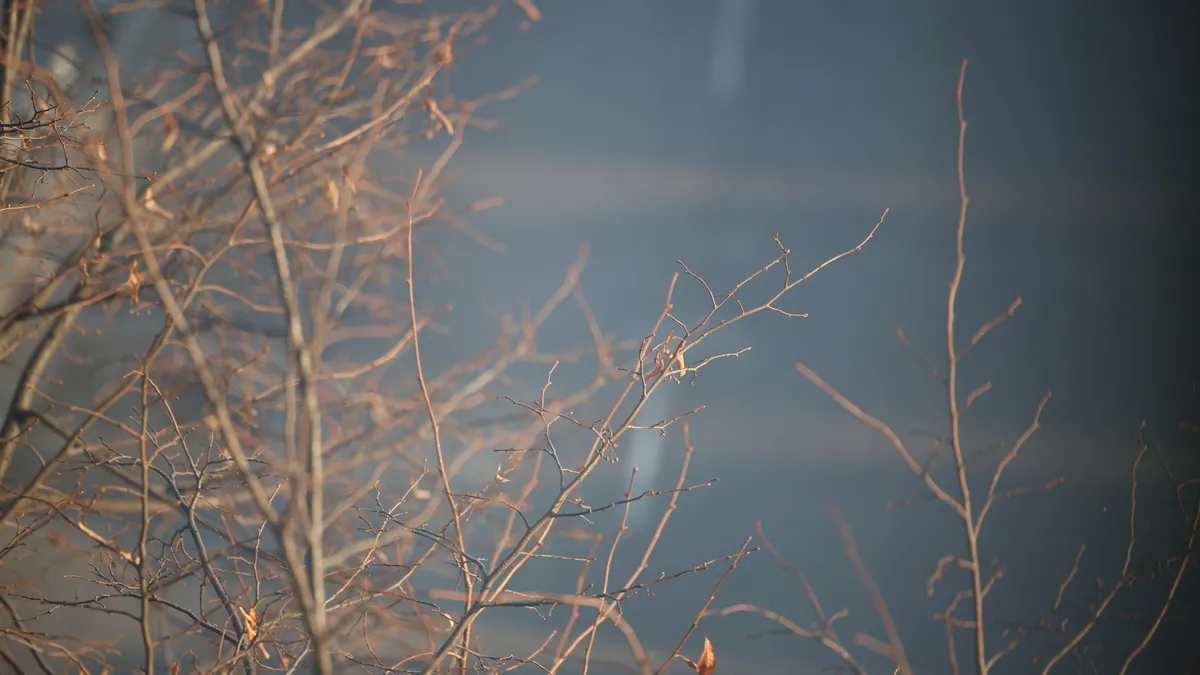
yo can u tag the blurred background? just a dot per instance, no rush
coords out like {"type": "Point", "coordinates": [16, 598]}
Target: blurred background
{"type": "Point", "coordinates": [697, 130]}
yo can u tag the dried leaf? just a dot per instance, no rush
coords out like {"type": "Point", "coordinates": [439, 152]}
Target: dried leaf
{"type": "Point", "coordinates": [153, 207]}
{"type": "Point", "coordinates": [251, 619]}
{"type": "Point", "coordinates": [134, 283]}
{"type": "Point", "coordinates": [269, 82]}
{"type": "Point", "coordinates": [706, 664]}
{"type": "Point", "coordinates": [331, 191]}
{"type": "Point", "coordinates": [170, 132]}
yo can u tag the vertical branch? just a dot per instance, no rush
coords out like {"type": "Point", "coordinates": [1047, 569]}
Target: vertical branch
{"type": "Point", "coordinates": [444, 476]}
{"type": "Point", "coordinates": [298, 351]}
{"type": "Point", "coordinates": [18, 25]}
{"type": "Point", "coordinates": [143, 561]}
{"type": "Point", "coordinates": [952, 389]}
{"type": "Point", "coordinates": [1133, 491]}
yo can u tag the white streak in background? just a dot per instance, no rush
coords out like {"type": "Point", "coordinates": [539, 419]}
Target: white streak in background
{"type": "Point", "coordinates": [646, 452]}
{"type": "Point", "coordinates": [545, 189]}
{"type": "Point", "coordinates": [62, 65]}
{"type": "Point", "coordinates": [729, 48]}
{"type": "Point", "coordinates": [140, 39]}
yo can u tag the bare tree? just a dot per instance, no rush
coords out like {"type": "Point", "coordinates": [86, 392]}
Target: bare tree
{"type": "Point", "coordinates": [230, 426]}
{"type": "Point", "coordinates": [219, 471]}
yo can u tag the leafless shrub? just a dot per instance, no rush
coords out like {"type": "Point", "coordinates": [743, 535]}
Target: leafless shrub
{"type": "Point", "coordinates": [233, 476]}
{"type": "Point", "coordinates": [224, 429]}
{"type": "Point", "coordinates": [1068, 627]}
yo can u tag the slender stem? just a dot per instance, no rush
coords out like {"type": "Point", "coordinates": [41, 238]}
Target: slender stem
{"type": "Point", "coordinates": [1162, 612]}
{"type": "Point", "coordinates": [437, 437]}
{"type": "Point", "coordinates": [952, 390]}
{"type": "Point", "coordinates": [143, 561]}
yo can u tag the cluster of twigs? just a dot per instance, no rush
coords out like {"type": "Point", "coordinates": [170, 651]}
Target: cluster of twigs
{"type": "Point", "coordinates": [260, 481]}
{"type": "Point", "coordinates": [225, 428]}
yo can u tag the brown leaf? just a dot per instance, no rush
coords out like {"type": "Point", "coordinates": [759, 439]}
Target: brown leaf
{"type": "Point", "coordinates": [706, 664]}
{"type": "Point", "coordinates": [252, 622]}
{"type": "Point", "coordinates": [170, 132]}
{"type": "Point", "coordinates": [153, 206]}
{"type": "Point", "coordinates": [332, 193]}
{"type": "Point", "coordinates": [134, 284]}
{"type": "Point", "coordinates": [251, 619]}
